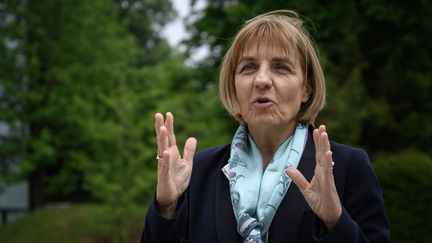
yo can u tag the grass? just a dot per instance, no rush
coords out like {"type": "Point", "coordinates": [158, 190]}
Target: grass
{"type": "Point", "coordinates": [86, 223]}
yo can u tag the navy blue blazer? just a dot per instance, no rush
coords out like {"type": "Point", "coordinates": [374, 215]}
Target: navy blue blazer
{"type": "Point", "coordinates": [205, 214]}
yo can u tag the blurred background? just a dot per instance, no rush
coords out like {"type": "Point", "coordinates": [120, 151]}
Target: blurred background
{"type": "Point", "coordinates": [80, 82]}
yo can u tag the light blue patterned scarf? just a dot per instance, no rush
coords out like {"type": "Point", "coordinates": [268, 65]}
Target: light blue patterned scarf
{"type": "Point", "coordinates": [255, 196]}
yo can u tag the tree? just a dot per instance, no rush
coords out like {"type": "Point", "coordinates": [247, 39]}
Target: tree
{"type": "Point", "coordinates": [144, 19]}
{"type": "Point", "coordinates": [406, 176]}
{"type": "Point", "coordinates": [69, 102]}
{"type": "Point", "coordinates": [375, 57]}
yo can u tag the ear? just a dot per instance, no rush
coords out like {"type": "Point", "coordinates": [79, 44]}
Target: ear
{"type": "Point", "coordinates": [306, 93]}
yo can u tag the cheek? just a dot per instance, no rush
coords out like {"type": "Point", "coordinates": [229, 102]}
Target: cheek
{"type": "Point", "coordinates": [241, 92]}
{"type": "Point", "coordinates": [293, 96]}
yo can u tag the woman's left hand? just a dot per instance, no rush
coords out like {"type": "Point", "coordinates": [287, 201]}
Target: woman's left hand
{"type": "Point", "coordinates": [320, 193]}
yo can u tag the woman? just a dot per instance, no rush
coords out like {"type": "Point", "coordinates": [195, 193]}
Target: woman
{"type": "Point", "coordinates": [271, 81]}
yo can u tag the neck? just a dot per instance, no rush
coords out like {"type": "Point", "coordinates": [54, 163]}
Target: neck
{"type": "Point", "coordinates": [268, 139]}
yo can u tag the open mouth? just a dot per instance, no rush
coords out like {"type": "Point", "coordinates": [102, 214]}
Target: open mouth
{"type": "Point", "coordinates": [262, 100]}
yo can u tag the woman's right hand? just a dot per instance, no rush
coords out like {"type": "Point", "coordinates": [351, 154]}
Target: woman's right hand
{"type": "Point", "coordinates": [174, 172]}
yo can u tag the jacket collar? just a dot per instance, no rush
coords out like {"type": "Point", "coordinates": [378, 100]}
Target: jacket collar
{"type": "Point", "coordinates": [226, 225]}
{"type": "Point", "coordinates": [289, 212]}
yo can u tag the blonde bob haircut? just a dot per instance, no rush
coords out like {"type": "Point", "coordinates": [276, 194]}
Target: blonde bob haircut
{"type": "Point", "coordinates": [283, 29]}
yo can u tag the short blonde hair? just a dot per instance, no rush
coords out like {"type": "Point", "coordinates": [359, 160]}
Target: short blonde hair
{"type": "Point", "coordinates": [282, 28]}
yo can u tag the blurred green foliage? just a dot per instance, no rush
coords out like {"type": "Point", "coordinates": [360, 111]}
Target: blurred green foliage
{"type": "Point", "coordinates": [376, 58]}
{"type": "Point", "coordinates": [83, 223]}
{"type": "Point", "coordinates": [80, 82]}
{"type": "Point", "coordinates": [71, 106]}
{"type": "Point", "coordinates": [406, 177]}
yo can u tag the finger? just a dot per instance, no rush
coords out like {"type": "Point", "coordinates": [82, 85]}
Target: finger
{"type": "Point", "coordinates": [317, 146]}
{"type": "Point", "coordinates": [189, 149]}
{"type": "Point", "coordinates": [329, 159]}
{"type": "Point", "coordinates": [170, 127]}
{"type": "Point", "coordinates": [325, 149]}
{"type": "Point", "coordinates": [321, 149]}
{"type": "Point", "coordinates": [164, 165]}
{"type": "Point", "coordinates": [159, 121]}
{"type": "Point", "coordinates": [322, 128]}
{"type": "Point", "coordinates": [298, 178]}
{"type": "Point", "coordinates": [162, 140]}
{"type": "Point", "coordinates": [325, 143]}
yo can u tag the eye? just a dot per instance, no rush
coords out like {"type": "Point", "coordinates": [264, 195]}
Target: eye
{"type": "Point", "coordinates": [247, 68]}
{"type": "Point", "coordinates": [283, 68]}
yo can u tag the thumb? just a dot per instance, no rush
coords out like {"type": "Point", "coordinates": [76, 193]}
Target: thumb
{"type": "Point", "coordinates": [298, 178]}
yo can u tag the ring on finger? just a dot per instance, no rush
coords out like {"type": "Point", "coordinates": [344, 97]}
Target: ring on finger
{"type": "Point", "coordinates": [333, 163]}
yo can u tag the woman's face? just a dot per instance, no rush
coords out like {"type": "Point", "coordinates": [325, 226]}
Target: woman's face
{"type": "Point", "coordinates": [269, 86]}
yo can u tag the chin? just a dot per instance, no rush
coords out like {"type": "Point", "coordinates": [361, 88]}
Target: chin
{"type": "Point", "coordinates": [262, 122]}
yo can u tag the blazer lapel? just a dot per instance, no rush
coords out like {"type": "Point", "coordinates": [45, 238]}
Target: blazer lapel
{"type": "Point", "coordinates": [226, 225]}
{"type": "Point", "coordinates": [287, 219]}
{"type": "Point", "coordinates": [286, 222]}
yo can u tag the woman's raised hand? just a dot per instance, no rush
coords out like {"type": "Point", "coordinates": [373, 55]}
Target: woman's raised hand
{"type": "Point", "coordinates": [174, 172]}
{"type": "Point", "coordinates": [320, 193]}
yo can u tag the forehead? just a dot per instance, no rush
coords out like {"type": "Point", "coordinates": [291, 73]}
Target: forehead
{"type": "Point", "coordinates": [268, 48]}
{"type": "Point", "coordinates": [276, 33]}
{"type": "Point", "coordinates": [270, 38]}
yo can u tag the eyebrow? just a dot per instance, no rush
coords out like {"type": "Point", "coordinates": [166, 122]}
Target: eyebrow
{"type": "Point", "coordinates": [274, 59]}
{"type": "Point", "coordinates": [246, 58]}
{"type": "Point", "coordinates": [282, 59]}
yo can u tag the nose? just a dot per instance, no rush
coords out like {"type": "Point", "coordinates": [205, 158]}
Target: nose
{"type": "Point", "coordinates": [262, 78]}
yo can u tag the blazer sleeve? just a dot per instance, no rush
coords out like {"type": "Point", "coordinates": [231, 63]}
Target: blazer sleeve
{"type": "Point", "coordinates": [158, 229]}
{"type": "Point", "coordinates": [363, 217]}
